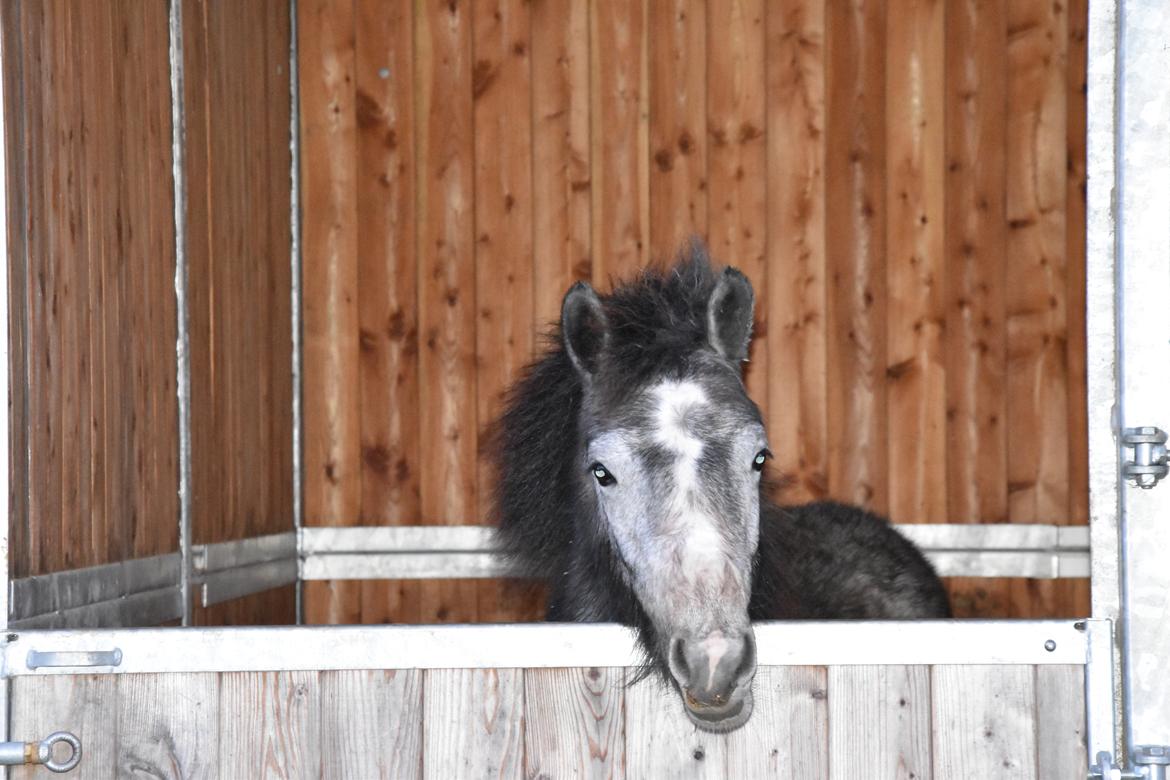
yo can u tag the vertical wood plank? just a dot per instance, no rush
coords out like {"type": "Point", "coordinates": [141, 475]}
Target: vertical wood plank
{"type": "Point", "coordinates": [238, 107]}
{"type": "Point", "coordinates": [661, 742]}
{"type": "Point", "coordinates": [502, 118]}
{"type": "Point", "coordinates": [983, 721]}
{"type": "Point", "coordinates": [678, 138]}
{"type": "Point", "coordinates": [879, 722]}
{"type": "Point", "coordinates": [737, 168]}
{"type": "Point", "coordinates": [167, 725]}
{"type": "Point", "coordinates": [1037, 287]}
{"type": "Point", "coordinates": [371, 724]}
{"type": "Point", "coordinates": [473, 723]}
{"type": "Point", "coordinates": [976, 250]}
{"type": "Point", "coordinates": [788, 734]}
{"type": "Point", "coordinates": [85, 705]}
{"type": "Point", "coordinates": [619, 137]}
{"type": "Point", "coordinates": [269, 725]}
{"type": "Point", "coordinates": [561, 185]}
{"type": "Point", "coordinates": [1061, 738]}
{"type": "Point", "coordinates": [915, 374]}
{"type": "Point", "coordinates": [574, 723]}
{"type": "Point", "coordinates": [446, 273]}
{"type": "Point", "coordinates": [855, 245]}
{"type": "Point", "coordinates": [1078, 437]}
{"type": "Point", "coordinates": [97, 334]}
{"type": "Point", "coordinates": [388, 286]}
{"type": "Point", "coordinates": [332, 373]}
{"type": "Point", "coordinates": [1072, 596]}
{"type": "Point", "coordinates": [36, 84]}
{"type": "Point", "coordinates": [16, 242]}
{"type": "Point", "coordinates": [796, 274]}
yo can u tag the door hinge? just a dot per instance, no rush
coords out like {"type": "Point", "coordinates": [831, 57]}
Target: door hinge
{"type": "Point", "coordinates": [1150, 456]}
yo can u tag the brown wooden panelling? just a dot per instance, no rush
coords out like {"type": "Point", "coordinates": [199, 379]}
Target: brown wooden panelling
{"type": "Point", "coordinates": [903, 184]}
{"type": "Point", "coordinates": [92, 269]}
{"type": "Point", "coordinates": [276, 607]}
{"type": "Point", "coordinates": [237, 111]}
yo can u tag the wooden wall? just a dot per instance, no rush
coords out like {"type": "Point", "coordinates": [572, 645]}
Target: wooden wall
{"type": "Point", "coordinates": [238, 107]}
{"type": "Point", "coordinates": [904, 185]}
{"type": "Point", "coordinates": [840, 722]}
{"type": "Point", "coordinates": [94, 446]}
{"type": "Point", "coordinates": [92, 263]}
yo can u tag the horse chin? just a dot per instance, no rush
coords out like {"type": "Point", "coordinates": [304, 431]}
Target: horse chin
{"type": "Point", "coordinates": [729, 719]}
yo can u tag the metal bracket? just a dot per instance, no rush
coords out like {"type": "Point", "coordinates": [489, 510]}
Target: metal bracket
{"type": "Point", "coordinates": [1148, 762]}
{"type": "Point", "coordinates": [1150, 456]}
{"type": "Point", "coordinates": [1152, 761]}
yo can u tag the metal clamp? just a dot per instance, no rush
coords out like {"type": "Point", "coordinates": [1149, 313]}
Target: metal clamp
{"type": "Point", "coordinates": [24, 753]}
{"type": "Point", "coordinates": [1150, 456]}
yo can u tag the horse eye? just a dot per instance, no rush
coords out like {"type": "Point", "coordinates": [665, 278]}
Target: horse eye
{"type": "Point", "coordinates": [601, 473]}
{"type": "Point", "coordinates": [760, 459]}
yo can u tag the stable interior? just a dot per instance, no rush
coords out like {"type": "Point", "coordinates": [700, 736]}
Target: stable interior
{"type": "Point", "coordinates": [373, 211]}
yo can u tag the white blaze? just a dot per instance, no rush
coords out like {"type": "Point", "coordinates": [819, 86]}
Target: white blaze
{"type": "Point", "coordinates": [701, 540]}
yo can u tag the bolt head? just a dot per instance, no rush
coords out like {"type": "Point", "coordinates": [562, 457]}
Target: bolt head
{"type": "Point", "coordinates": [1158, 755]}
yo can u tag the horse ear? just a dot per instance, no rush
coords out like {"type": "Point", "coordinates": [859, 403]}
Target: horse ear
{"type": "Point", "coordinates": [584, 327]}
{"type": "Point", "coordinates": [729, 315]}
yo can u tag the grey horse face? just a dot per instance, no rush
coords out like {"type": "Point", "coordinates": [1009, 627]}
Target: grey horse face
{"type": "Point", "coordinates": [676, 483]}
{"type": "Point", "coordinates": [673, 467]}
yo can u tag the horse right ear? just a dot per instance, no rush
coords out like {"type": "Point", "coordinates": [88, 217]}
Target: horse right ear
{"type": "Point", "coordinates": [584, 327]}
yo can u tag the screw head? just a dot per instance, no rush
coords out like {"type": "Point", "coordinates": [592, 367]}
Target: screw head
{"type": "Point", "coordinates": [1050, 645]}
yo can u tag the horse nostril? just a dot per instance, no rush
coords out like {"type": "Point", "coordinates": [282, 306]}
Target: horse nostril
{"type": "Point", "coordinates": [678, 661]}
{"type": "Point", "coordinates": [747, 662]}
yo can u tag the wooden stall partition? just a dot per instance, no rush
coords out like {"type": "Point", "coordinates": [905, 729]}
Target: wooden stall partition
{"type": "Point", "coordinates": [903, 185]}
{"type": "Point", "coordinates": [91, 251]}
{"type": "Point", "coordinates": [839, 722]}
{"type": "Point", "coordinates": [237, 104]}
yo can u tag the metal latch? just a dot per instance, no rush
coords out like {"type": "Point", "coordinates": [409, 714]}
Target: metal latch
{"type": "Point", "coordinates": [1150, 457]}
{"type": "Point", "coordinates": [23, 753]}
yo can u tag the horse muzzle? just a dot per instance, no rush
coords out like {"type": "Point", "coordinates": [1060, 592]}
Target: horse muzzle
{"type": "Point", "coordinates": [714, 674]}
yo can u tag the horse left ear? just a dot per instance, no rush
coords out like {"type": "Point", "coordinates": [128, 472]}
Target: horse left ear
{"type": "Point", "coordinates": [729, 315]}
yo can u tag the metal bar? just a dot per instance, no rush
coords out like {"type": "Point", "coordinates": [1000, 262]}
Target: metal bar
{"type": "Point", "coordinates": [477, 538]}
{"type": "Point", "coordinates": [407, 566]}
{"type": "Point", "coordinates": [1100, 719]}
{"type": "Point", "coordinates": [183, 339]}
{"type": "Point", "coordinates": [78, 588]}
{"type": "Point", "coordinates": [244, 552]}
{"type": "Point", "coordinates": [407, 538]}
{"type": "Point", "coordinates": [298, 456]}
{"type": "Point", "coordinates": [443, 564]}
{"type": "Point", "coordinates": [1102, 310]}
{"type": "Point", "coordinates": [546, 645]}
{"type": "Point", "coordinates": [1143, 242]}
{"type": "Point", "coordinates": [437, 552]}
{"type": "Point", "coordinates": [145, 608]}
{"type": "Point", "coordinates": [218, 587]}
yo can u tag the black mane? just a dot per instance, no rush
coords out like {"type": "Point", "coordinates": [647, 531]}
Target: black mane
{"type": "Point", "coordinates": [656, 321]}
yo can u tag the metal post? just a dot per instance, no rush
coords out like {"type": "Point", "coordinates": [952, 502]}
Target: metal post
{"type": "Point", "coordinates": [298, 456]}
{"type": "Point", "coordinates": [5, 485]}
{"type": "Point", "coordinates": [183, 340]}
{"type": "Point", "coordinates": [1102, 327]}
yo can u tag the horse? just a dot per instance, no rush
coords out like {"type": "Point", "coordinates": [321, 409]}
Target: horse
{"type": "Point", "coordinates": [631, 477]}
